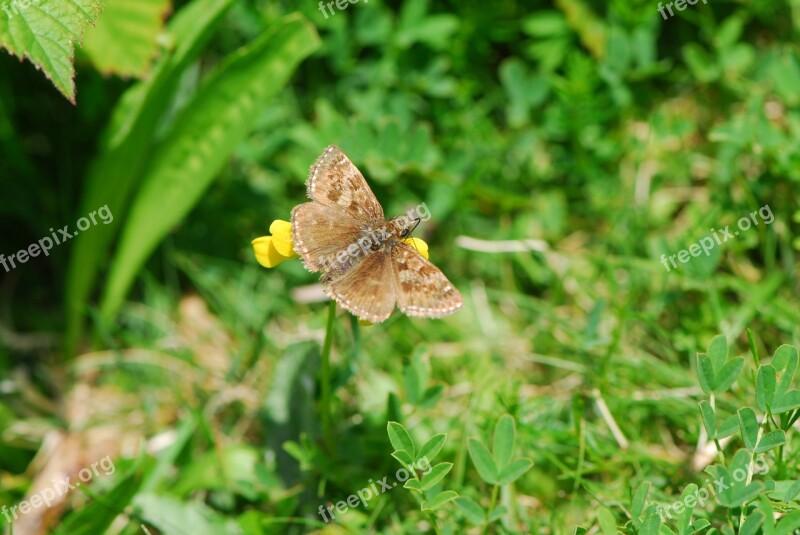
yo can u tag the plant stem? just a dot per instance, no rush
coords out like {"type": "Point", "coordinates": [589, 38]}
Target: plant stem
{"type": "Point", "coordinates": [495, 490]}
{"type": "Point", "coordinates": [325, 378]}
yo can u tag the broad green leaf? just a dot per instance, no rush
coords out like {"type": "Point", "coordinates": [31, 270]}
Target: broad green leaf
{"type": "Point", "coordinates": [788, 524]}
{"type": "Point", "coordinates": [651, 523]}
{"type": "Point", "coordinates": [473, 512]}
{"type": "Point", "coordinates": [608, 524]}
{"type": "Point", "coordinates": [413, 484]}
{"type": "Point", "coordinates": [400, 439]}
{"type": "Point", "coordinates": [725, 377]}
{"type": "Point", "coordinates": [785, 401]}
{"type": "Point", "coordinates": [483, 461]}
{"type": "Point", "coordinates": [200, 142]}
{"type": "Point", "coordinates": [436, 474]}
{"type": "Point", "coordinates": [125, 152]}
{"type": "Point", "coordinates": [46, 32]}
{"type": "Point", "coordinates": [684, 518]}
{"type": "Point", "coordinates": [439, 500]}
{"type": "Point", "coordinates": [514, 471]}
{"type": "Point", "coordinates": [403, 457]}
{"type": "Point", "coordinates": [718, 352]}
{"type": "Point", "coordinates": [431, 448]}
{"type": "Point", "coordinates": [503, 442]}
{"type": "Point", "coordinates": [785, 363]}
{"type": "Point", "coordinates": [748, 425]}
{"type": "Point", "coordinates": [125, 42]}
{"type": "Point", "coordinates": [752, 523]}
{"type": "Point", "coordinates": [705, 373]}
{"type": "Point", "coordinates": [728, 427]}
{"type": "Point", "coordinates": [793, 491]}
{"type": "Point", "coordinates": [773, 439]}
{"type": "Point", "coordinates": [709, 419]}
{"type": "Point", "coordinates": [765, 387]}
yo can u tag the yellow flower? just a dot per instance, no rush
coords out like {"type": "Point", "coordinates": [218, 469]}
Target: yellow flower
{"type": "Point", "coordinates": [272, 250]}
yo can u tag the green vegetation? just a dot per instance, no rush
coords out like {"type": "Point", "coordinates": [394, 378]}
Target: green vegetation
{"type": "Point", "coordinates": [614, 194]}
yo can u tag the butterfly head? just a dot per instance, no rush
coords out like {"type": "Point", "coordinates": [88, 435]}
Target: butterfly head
{"type": "Point", "coordinates": [402, 226]}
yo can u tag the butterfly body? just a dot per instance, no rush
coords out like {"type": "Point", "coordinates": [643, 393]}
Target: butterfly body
{"type": "Point", "coordinates": [366, 266]}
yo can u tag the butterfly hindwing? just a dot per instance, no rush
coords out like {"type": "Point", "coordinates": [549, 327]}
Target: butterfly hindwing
{"type": "Point", "coordinates": [368, 288]}
{"type": "Point", "coordinates": [422, 289]}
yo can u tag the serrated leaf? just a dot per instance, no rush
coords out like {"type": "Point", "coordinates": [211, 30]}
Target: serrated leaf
{"type": "Point", "coordinates": [765, 387]}
{"type": "Point", "coordinates": [471, 510]}
{"type": "Point", "coordinates": [400, 439]}
{"type": "Point", "coordinates": [199, 144]}
{"type": "Point", "coordinates": [125, 43]}
{"type": "Point", "coordinates": [483, 461]}
{"type": "Point", "coordinates": [432, 448]}
{"type": "Point", "coordinates": [773, 439]}
{"type": "Point", "coordinates": [514, 471]}
{"type": "Point", "coordinates": [436, 474]}
{"type": "Point", "coordinates": [503, 442]}
{"type": "Point", "coordinates": [46, 32]}
{"type": "Point", "coordinates": [709, 419]}
{"type": "Point", "coordinates": [725, 377]}
{"type": "Point", "coordinates": [748, 425]}
{"type": "Point", "coordinates": [439, 500]}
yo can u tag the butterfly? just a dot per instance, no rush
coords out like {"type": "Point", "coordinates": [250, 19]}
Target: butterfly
{"type": "Point", "coordinates": [366, 266]}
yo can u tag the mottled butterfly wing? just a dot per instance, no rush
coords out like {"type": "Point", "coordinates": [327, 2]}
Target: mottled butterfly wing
{"type": "Point", "coordinates": [368, 288]}
{"type": "Point", "coordinates": [320, 232]}
{"type": "Point", "coordinates": [422, 290]}
{"type": "Point", "coordinates": [335, 181]}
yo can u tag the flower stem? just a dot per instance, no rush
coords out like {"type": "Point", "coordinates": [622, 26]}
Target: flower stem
{"type": "Point", "coordinates": [325, 378]}
{"type": "Point", "coordinates": [491, 507]}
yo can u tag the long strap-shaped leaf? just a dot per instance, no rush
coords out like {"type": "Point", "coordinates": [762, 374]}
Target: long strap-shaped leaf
{"type": "Point", "coordinates": [202, 139]}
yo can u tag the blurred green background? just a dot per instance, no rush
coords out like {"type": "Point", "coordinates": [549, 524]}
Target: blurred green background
{"type": "Point", "coordinates": [561, 147]}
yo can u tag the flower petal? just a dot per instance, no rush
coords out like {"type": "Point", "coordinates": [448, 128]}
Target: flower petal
{"type": "Point", "coordinates": [266, 253]}
{"type": "Point", "coordinates": [281, 229]}
{"type": "Point", "coordinates": [419, 245]}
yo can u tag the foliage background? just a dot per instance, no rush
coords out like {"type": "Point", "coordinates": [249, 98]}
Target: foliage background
{"type": "Point", "coordinates": [608, 133]}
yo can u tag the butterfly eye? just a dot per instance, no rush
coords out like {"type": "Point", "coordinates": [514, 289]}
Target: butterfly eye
{"type": "Point", "coordinates": [405, 233]}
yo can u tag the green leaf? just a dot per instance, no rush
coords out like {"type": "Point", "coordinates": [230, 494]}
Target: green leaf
{"type": "Point", "coordinates": [415, 377]}
{"type": "Point", "coordinates": [483, 461]}
{"type": "Point", "coordinates": [773, 439]}
{"type": "Point", "coordinates": [439, 500]}
{"type": "Point", "coordinates": [765, 387]}
{"type": "Point", "coordinates": [705, 373]}
{"type": "Point", "coordinates": [514, 471]}
{"type": "Point", "coordinates": [709, 419]}
{"type": "Point", "coordinates": [793, 491]}
{"type": "Point", "coordinates": [125, 43]}
{"type": "Point", "coordinates": [608, 524]}
{"type": "Point", "coordinates": [748, 425]}
{"type": "Point", "coordinates": [718, 352]}
{"type": "Point", "coordinates": [688, 498]}
{"type": "Point", "coordinates": [788, 523]}
{"type": "Point", "coordinates": [201, 141]}
{"type": "Point", "coordinates": [45, 32]}
{"type": "Point", "coordinates": [728, 374]}
{"type": "Point", "coordinates": [126, 150]}
{"type": "Point", "coordinates": [498, 511]}
{"type": "Point", "coordinates": [503, 442]}
{"type": "Point", "coordinates": [403, 457]}
{"type": "Point", "coordinates": [400, 439]}
{"type": "Point", "coordinates": [431, 448]}
{"type": "Point", "coordinates": [728, 427]}
{"type": "Point", "coordinates": [436, 474]}
{"type": "Point", "coordinates": [651, 523]}
{"type": "Point", "coordinates": [752, 523]}
{"type": "Point", "coordinates": [413, 484]}
{"type": "Point", "coordinates": [638, 501]}
{"type": "Point", "coordinates": [473, 512]}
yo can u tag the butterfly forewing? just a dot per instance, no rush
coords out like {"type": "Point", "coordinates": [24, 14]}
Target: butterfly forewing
{"type": "Point", "coordinates": [422, 289]}
{"type": "Point", "coordinates": [319, 232]}
{"type": "Point", "coordinates": [368, 288]}
{"type": "Point", "coordinates": [335, 181]}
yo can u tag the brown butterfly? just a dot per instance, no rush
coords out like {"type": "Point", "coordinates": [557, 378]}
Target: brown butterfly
{"type": "Point", "coordinates": [367, 267]}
